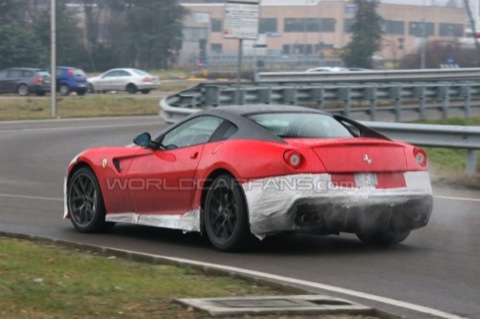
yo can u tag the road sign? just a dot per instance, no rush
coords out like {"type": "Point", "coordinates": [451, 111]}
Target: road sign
{"type": "Point", "coordinates": [241, 19]}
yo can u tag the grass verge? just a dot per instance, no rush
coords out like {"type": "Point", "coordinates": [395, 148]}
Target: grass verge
{"type": "Point", "coordinates": [448, 164]}
{"type": "Point", "coordinates": [88, 106]}
{"type": "Point", "coordinates": [46, 281]}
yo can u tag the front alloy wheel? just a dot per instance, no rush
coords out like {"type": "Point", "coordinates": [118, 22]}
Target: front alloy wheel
{"type": "Point", "coordinates": [85, 202]}
{"type": "Point", "coordinates": [226, 216]}
{"type": "Point", "coordinates": [64, 90]}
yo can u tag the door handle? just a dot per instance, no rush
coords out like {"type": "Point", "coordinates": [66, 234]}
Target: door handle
{"type": "Point", "coordinates": [194, 155]}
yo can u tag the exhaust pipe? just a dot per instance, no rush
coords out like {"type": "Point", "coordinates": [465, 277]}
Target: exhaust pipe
{"type": "Point", "coordinates": [317, 219]}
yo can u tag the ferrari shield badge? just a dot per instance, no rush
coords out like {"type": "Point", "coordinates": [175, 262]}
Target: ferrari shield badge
{"type": "Point", "coordinates": [104, 162]}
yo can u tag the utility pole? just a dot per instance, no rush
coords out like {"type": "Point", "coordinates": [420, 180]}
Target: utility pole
{"type": "Point", "coordinates": [472, 25]}
{"type": "Point", "coordinates": [424, 39]}
{"type": "Point", "coordinates": [53, 58]}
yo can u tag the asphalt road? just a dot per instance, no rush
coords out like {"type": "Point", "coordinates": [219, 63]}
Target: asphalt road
{"type": "Point", "coordinates": [434, 274]}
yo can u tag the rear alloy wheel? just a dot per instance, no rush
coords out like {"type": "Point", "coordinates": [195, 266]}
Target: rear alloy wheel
{"type": "Point", "coordinates": [85, 202]}
{"type": "Point", "coordinates": [23, 90]}
{"type": "Point", "coordinates": [226, 220]}
{"type": "Point", "coordinates": [384, 238]}
{"type": "Point", "coordinates": [64, 90]}
{"type": "Point", "coordinates": [131, 89]}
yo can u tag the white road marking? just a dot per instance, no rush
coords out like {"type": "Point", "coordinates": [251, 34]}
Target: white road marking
{"type": "Point", "coordinates": [61, 199]}
{"type": "Point", "coordinates": [288, 280]}
{"type": "Point", "coordinates": [90, 119]}
{"type": "Point", "coordinates": [32, 197]}
{"type": "Point", "coordinates": [100, 126]}
{"type": "Point", "coordinates": [468, 199]}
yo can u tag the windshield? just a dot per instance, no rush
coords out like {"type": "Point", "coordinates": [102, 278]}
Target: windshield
{"type": "Point", "coordinates": [301, 125]}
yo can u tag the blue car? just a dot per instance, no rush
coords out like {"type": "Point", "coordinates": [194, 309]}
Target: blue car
{"type": "Point", "coordinates": [70, 79]}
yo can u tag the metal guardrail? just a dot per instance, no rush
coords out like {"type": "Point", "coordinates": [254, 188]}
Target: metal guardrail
{"type": "Point", "coordinates": [395, 98]}
{"type": "Point", "coordinates": [435, 75]}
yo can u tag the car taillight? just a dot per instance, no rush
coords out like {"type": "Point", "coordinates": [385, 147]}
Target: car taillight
{"type": "Point", "coordinates": [420, 156]}
{"type": "Point", "coordinates": [37, 80]}
{"type": "Point", "coordinates": [293, 158]}
{"type": "Point", "coordinates": [147, 80]}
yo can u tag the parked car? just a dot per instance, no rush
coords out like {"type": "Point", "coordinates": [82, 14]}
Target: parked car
{"type": "Point", "coordinates": [24, 81]}
{"type": "Point", "coordinates": [70, 79]}
{"type": "Point", "coordinates": [130, 80]}
{"type": "Point", "coordinates": [242, 172]}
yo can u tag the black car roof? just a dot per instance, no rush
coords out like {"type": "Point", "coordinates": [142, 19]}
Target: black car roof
{"type": "Point", "coordinates": [243, 110]}
{"type": "Point", "coordinates": [248, 129]}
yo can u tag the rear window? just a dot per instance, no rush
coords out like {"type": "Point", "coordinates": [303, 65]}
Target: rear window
{"type": "Point", "coordinates": [301, 125]}
{"type": "Point", "coordinates": [78, 72]}
{"type": "Point", "coordinates": [140, 72]}
{"type": "Point", "coordinates": [42, 74]}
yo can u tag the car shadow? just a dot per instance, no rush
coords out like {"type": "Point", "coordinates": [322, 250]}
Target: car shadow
{"type": "Point", "coordinates": [291, 244]}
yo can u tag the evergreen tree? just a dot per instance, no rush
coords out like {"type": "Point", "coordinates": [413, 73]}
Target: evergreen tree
{"type": "Point", "coordinates": [149, 31]}
{"type": "Point", "coordinates": [70, 42]}
{"type": "Point", "coordinates": [366, 35]}
{"type": "Point", "coordinates": [18, 44]}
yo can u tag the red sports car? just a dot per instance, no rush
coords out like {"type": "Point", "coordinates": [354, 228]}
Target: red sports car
{"type": "Point", "coordinates": [243, 172]}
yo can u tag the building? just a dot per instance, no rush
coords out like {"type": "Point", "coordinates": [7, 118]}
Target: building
{"type": "Point", "coordinates": [319, 29]}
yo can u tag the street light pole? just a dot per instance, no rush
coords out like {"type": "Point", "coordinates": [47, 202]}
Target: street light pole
{"type": "Point", "coordinates": [424, 38]}
{"type": "Point", "coordinates": [53, 58]}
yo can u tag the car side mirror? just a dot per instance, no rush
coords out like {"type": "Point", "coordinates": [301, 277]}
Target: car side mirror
{"type": "Point", "coordinates": [143, 140]}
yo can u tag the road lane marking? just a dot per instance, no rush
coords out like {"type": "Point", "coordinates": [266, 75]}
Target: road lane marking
{"type": "Point", "coordinates": [61, 199]}
{"type": "Point", "coordinates": [57, 128]}
{"type": "Point", "coordinates": [32, 197]}
{"type": "Point", "coordinates": [458, 198]}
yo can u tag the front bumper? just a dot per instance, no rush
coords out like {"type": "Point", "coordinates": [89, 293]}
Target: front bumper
{"type": "Point", "coordinates": [310, 203]}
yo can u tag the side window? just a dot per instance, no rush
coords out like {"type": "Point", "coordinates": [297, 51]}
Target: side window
{"type": "Point", "coordinates": [196, 131]}
{"type": "Point", "coordinates": [109, 74]}
{"type": "Point", "coordinates": [3, 74]}
{"type": "Point", "coordinates": [14, 74]}
{"type": "Point", "coordinates": [224, 131]}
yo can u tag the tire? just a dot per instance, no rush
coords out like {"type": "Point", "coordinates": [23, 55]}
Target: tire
{"type": "Point", "coordinates": [64, 90]}
{"type": "Point", "coordinates": [384, 238]}
{"type": "Point", "coordinates": [23, 90]}
{"type": "Point", "coordinates": [145, 91]}
{"type": "Point", "coordinates": [85, 202]}
{"type": "Point", "coordinates": [226, 215]}
{"type": "Point", "coordinates": [90, 89]}
{"type": "Point", "coordinates": [131, 88]}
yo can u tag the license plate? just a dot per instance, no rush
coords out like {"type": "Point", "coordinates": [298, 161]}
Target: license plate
{"type": "Point", "coordinates": [366, 180]}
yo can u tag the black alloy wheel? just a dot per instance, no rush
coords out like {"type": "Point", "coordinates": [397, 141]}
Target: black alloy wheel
{"type": "Point", "coordinates": [85, 202]}
{"type": "Point", "coordinates": [226, 215]}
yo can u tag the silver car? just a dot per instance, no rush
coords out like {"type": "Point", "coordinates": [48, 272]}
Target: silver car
{"type": "Point", "coordinates": [130, 80]}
